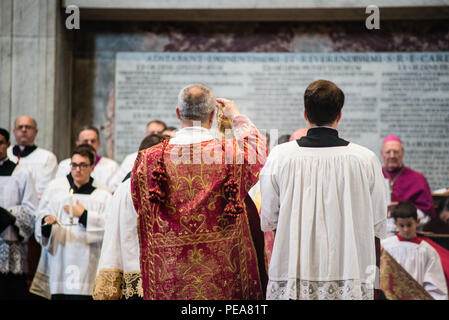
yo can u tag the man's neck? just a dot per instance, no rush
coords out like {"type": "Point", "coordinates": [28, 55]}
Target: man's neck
{"type": "Point", "coordinates": [185, 124]}
{"type": "Point", "coordinates": [23, 146]}
{"type": "Point", "coordinates": [395, 169]}
{"type": "Point", "coordinates": [79, 184]}
{"type": "Point", "coordinates": [333, 125]}
{"type": "Point", "coordinates": [22, 151]}
{"type": "Point", "coordinates": [80, 187]}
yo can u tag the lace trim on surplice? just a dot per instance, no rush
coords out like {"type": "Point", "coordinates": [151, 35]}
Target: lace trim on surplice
{"type": "Point", "coordinates": [114, 284]}
{"type": "Point", "coordinates": [320, 290]}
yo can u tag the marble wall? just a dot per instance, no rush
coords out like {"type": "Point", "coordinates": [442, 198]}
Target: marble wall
{"type": "Point", "coordinates": [35, 69]}
{"type": "Point", "coordinates": [96, 44]}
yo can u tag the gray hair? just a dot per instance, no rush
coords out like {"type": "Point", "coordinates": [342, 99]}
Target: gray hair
{"type": "Point", "coordinates": [196, 102]}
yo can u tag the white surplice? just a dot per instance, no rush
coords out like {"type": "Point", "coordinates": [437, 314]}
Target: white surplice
{"type": "Point", "coordinates": [69, 257]}
{"type": "Point", "coordinates": [103, 172]}
{"type": "Point", "coordinates": [120, 252]}
{"type": "Point", "coordinates": [422, 262]}
{"type": "Point", "coordinates": [41, 163]}
{"type": "Point", "coordinates": [125, 168]}
{"type": "Point", "coordinates": [327, 205]}
{"type": "Point", "coordinates": [17, 195]}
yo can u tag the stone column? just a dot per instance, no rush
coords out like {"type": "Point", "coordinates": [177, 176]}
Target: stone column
{"type": "Point", "coordinates": [35, 70]}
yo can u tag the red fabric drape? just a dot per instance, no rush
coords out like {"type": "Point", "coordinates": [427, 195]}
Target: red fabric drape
{"type": "Point", "coordinates": [444, 257]}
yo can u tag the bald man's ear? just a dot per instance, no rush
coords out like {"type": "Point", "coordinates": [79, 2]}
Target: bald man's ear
{"type": "Point", "coordinates": [177, 113]}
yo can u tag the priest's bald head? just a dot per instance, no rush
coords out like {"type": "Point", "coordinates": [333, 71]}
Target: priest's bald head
{"type": "Point", "coordinates": [196, 104]}
{"type": "Point", "coordinates": [392, 153]}
{"type": "Point", "coordinates": [25, 131]}
{"type": "Point", "coordinates": [323, 102]}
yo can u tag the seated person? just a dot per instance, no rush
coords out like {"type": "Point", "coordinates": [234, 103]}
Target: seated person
{"type": "Point", "coordinates": [439, 224]}
{"type": "Point", "coordinates": [406, 184]}
{"type": "Point", "coordinates": [414, 254]}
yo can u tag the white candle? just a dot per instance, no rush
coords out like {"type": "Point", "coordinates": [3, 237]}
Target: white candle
{"type": "Point", "coordinates": [71, 204]}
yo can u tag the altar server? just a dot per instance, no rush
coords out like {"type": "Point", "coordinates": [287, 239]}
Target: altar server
{"type": "Point", "coordinates": [119, 260]}
{"type": "Point", "coordinates": [69, 226]}
{"type": "Point", "coordinates": [326, 199]}
{"type": "Point", "coordinates": [40, 162]}
{"type": "Point", "coordinates": [105, 168]}
{"type": "Point", "coordinates": [415, 254]}
{"type": "Point", "coordinates": [18, 201]}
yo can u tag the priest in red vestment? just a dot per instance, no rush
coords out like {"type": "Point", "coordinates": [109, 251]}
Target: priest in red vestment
{"type": "Point", "coordinates": [406, 184]}
{"type": "Point", "coordinates": [189, 192]}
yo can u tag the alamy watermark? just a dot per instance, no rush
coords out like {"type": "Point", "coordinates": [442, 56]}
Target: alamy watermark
{"type": "Point", "coordinates": [73, 279]}
{"type": "Point", "coordinates": [373, 20]}
{"type": "Point", "coordinates": [73, 20]}
{"type": "Point", "coordinates": [248, 146]}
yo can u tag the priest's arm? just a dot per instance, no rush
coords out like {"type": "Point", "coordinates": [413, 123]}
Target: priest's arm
{"type": "Point", "coordinates": [424, 201]}
{"type": "Point", "coordinates": [248, 152]}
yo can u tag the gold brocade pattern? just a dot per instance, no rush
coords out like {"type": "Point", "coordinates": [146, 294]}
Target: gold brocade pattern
{"type": "Point", "coordinates": [189, 248]}
{"type": "Point", "coordinates": [397, 283]}
{"type": "Point", "coordinates": [108, 285]}
{"type": "Point", "coordinates": [132, 285]}
{"type": "Point", "coordinates": [113, 284]}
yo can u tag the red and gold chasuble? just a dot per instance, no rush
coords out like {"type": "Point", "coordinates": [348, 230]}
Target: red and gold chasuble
{"type": "Point", "coordinates": [190, 247]}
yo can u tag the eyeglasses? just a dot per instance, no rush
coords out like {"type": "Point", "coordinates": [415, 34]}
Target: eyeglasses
{"type": "Point", "coordinates": [26, 127]}
{"type": "Point", "coordinates": [81, 165]}
{"type": "Point", "coordinates": [87, 141]}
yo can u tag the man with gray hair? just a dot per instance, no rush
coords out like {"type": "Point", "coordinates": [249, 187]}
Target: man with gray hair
{"type": "Point", "coordinates": [40, 162]}
{"type": "Point", "coordinates": [190, 195]}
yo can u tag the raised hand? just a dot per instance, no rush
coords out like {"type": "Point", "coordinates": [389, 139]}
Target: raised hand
{"type": "Point", "coordinates": [228, 107]}
{"type": "Point", "coordinates": [77, 210]}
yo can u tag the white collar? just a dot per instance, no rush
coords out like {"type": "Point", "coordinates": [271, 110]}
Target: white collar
{"type": "Point", "coordinates": [189, 135]}
{"type": "Point", "coordinates": [3, 161]}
